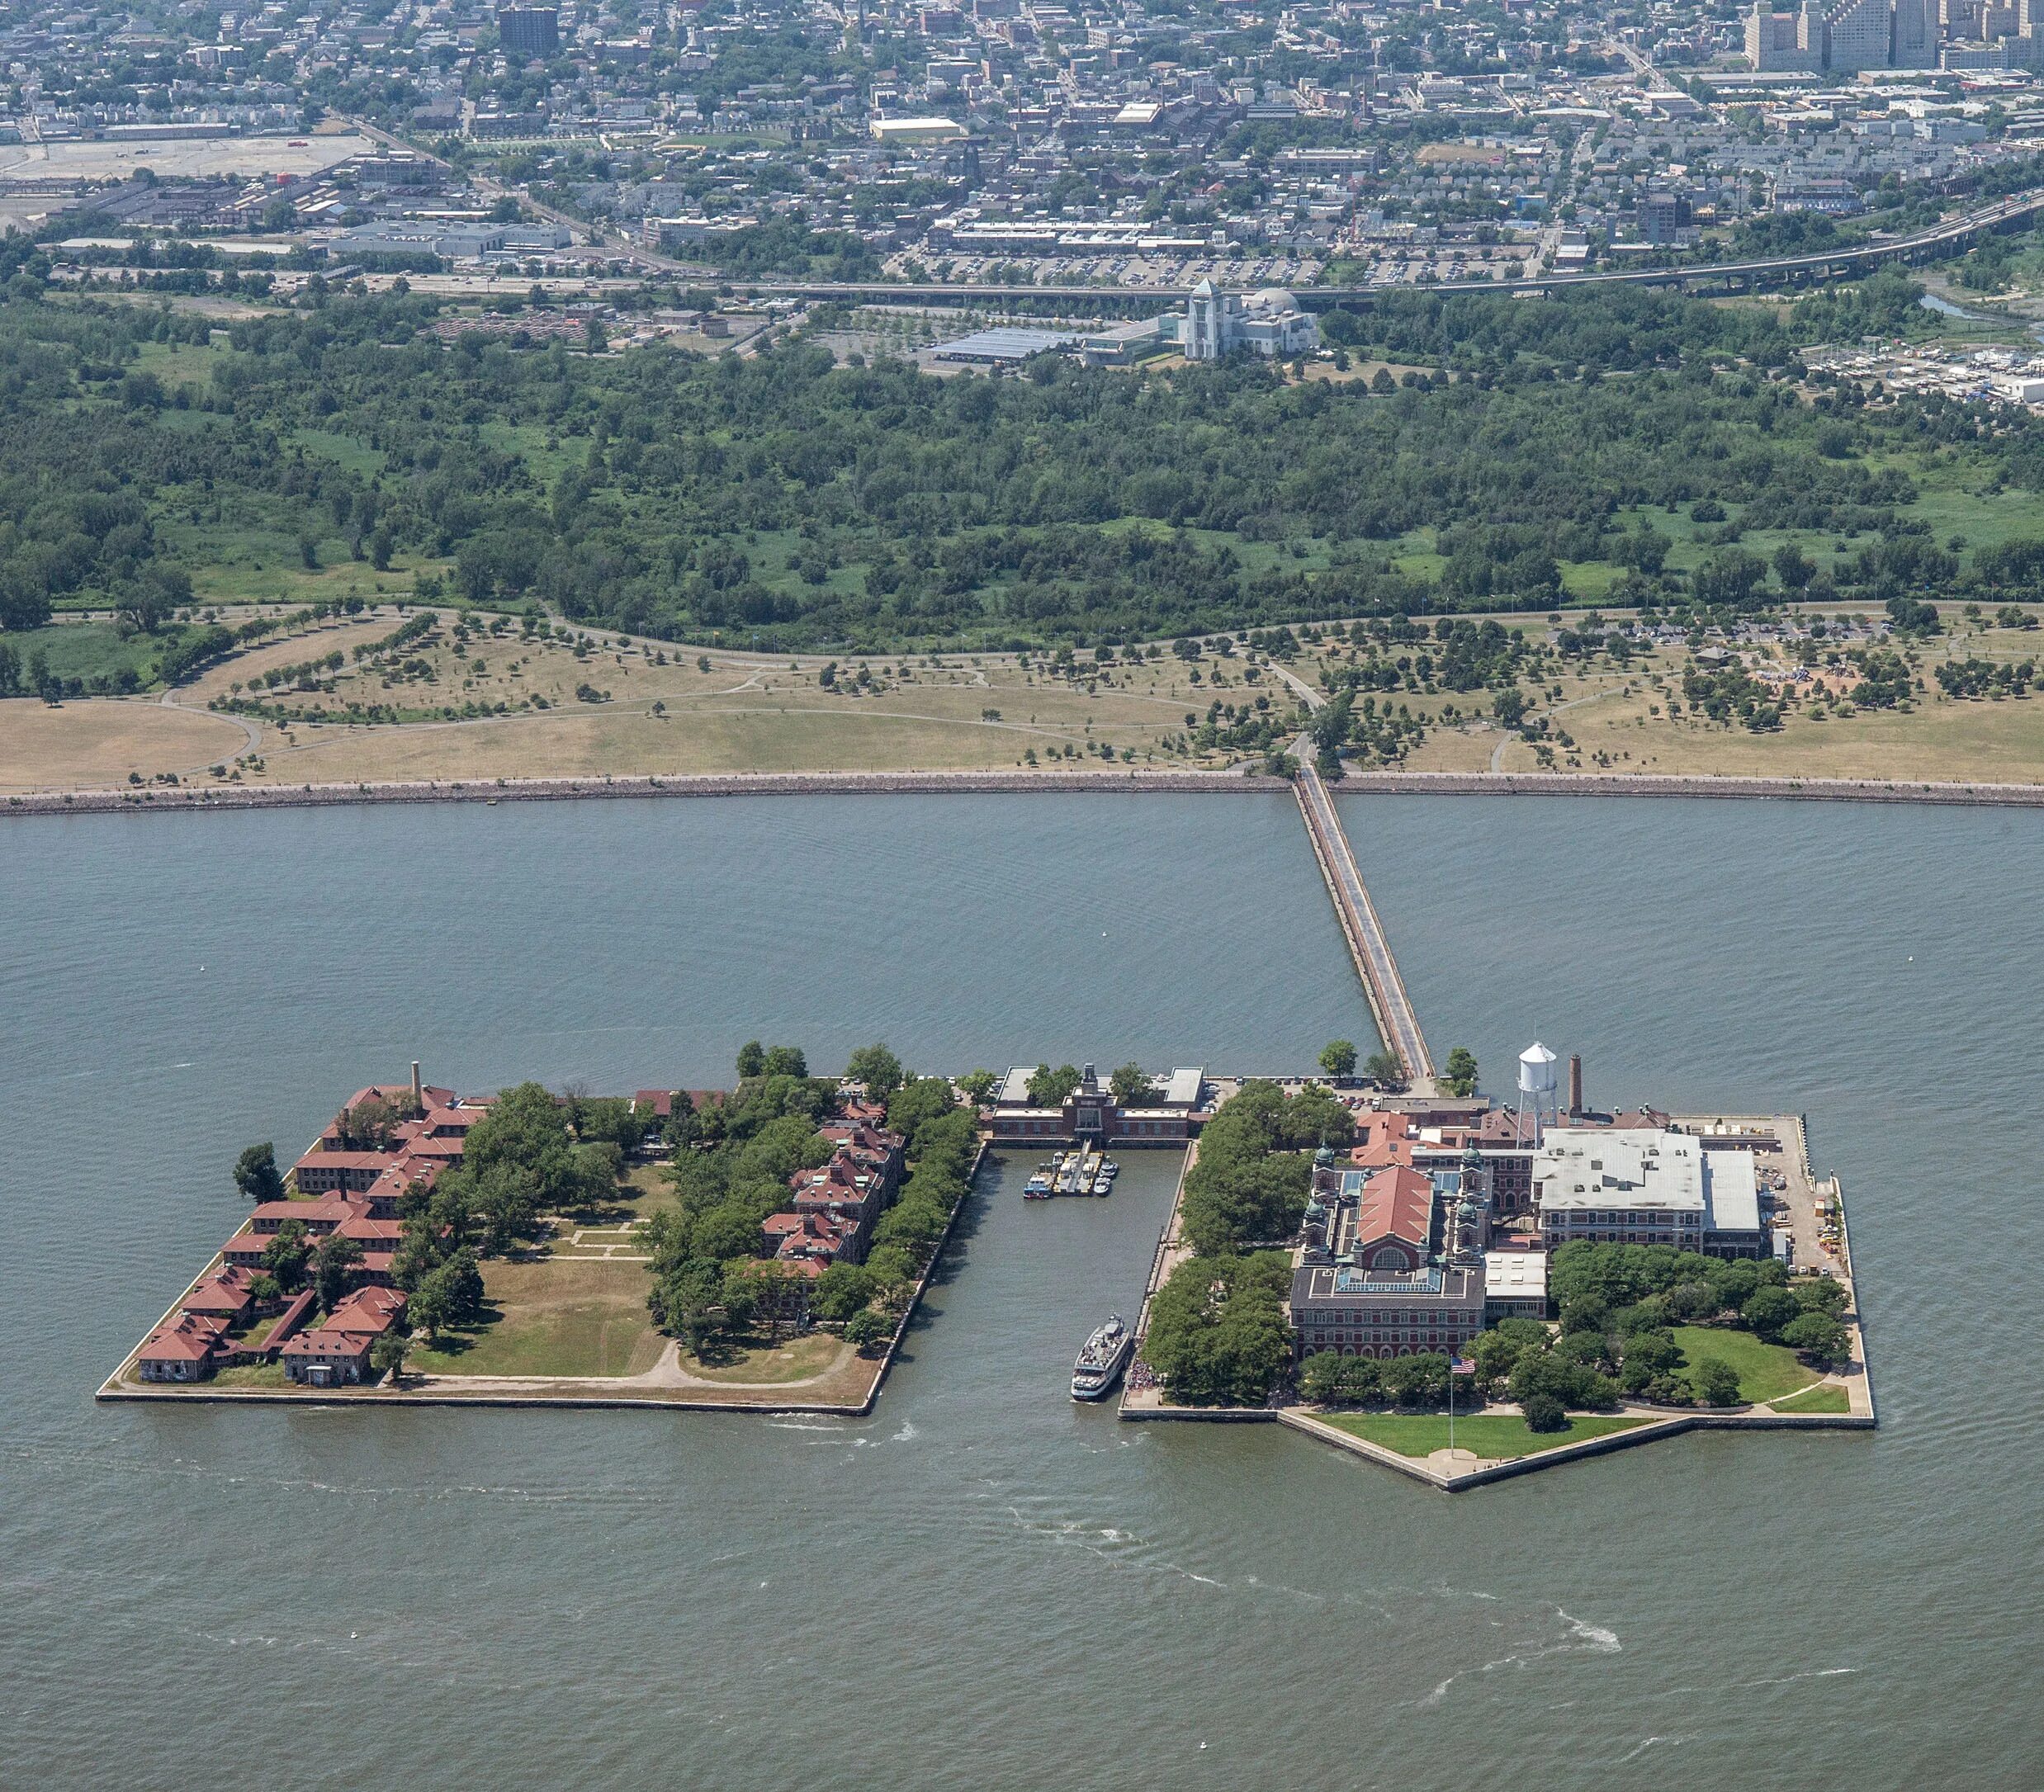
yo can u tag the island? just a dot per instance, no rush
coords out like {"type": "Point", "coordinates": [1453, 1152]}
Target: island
{"type": "Point", "coordinates": [1464, 1290]}
{"type": "Point", "coordinates": [757, 1247]}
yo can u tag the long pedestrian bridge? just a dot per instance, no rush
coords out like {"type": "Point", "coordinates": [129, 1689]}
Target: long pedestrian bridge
{"type": "Point", "coordinates": [1389, 1006]}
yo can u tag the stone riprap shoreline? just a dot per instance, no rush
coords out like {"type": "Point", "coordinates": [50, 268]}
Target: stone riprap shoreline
{"type": "Point", "coordinates": [159, 799]}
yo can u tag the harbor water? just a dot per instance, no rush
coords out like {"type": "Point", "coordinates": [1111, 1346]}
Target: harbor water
{"type": "Point", "coordinates": [984, 1585]}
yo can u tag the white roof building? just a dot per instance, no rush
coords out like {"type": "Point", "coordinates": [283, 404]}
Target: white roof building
{"type": "Point", "coordinates": [1646, 1185]}
{"type": "Point", "coordinates": [1585, 1168]}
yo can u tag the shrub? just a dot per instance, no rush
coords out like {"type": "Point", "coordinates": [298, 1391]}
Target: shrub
{"type": "Point", "coordinates": [1543, 1412]}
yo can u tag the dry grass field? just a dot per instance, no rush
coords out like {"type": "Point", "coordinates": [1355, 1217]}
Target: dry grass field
{"type": "Point", "coordinates": [522, 707]}
{"type": "Point", "coordinates": [473, 703]}
{"type": "Point", "coordinates": [1621, 722]}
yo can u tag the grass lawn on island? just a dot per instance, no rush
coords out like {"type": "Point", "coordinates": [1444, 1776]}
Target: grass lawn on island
{"type": "Point", "coordinates": [570, 1316]}
{"type": "Point", "coordinates": [755, 1360]}
{"type": "Point", "coordinates": [1826, 1397]}
{"type": "Point", "coordinates": [647, 1187]}
{"type": "Point", "coordinates": [1765, 1371]}
{"type": "Point", "coordinates": [1494, 1437]}
{"type": "Point", "coordinates": [254, 1375]}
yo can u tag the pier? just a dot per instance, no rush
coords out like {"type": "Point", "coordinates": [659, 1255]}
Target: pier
{"type": "Point", "coordinates": [1389, 1006]}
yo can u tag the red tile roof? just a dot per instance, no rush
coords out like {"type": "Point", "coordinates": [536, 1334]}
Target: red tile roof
{"type": "Point", "coordinates": [1397, 1202]}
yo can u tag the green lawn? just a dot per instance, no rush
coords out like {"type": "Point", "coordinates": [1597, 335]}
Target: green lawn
{"type": "Point", "coordinates": [755, 1361]}
{"type": "Point", "coordinates": [1765, 1371]}
{"type": "Point", "coordinates": [1492, 1436]}
{"type": "Point", "coordinates": [1828, 1397]}
{"type": "Point", "coordinates": [647, 1189]}
{"type": "Point", "coordinates": [88, 649]}
{"type": "Point", "coordinates": [254, 1375]}
{"type": "Point", "coordinates": [575, 1317]}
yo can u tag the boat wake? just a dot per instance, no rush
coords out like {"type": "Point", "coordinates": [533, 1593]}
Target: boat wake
{"type": "Point", "coordinates": [1579, 1638]}
{"type": "Point", "coordinates": [1652, 1742]}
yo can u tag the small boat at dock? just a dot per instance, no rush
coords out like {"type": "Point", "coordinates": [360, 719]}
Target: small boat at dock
{"type": "Point", "coordinates": [1038, 1188]}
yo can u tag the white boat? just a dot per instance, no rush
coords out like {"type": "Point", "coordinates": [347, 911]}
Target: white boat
{"type": "Point", "coordinates": [1100, 1363]}
{"type": "Point", "coordinates": [1103, 1184]}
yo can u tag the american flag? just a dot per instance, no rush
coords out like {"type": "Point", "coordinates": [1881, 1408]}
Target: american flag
{"type": "Point", "coordinates": [1461, 1365]}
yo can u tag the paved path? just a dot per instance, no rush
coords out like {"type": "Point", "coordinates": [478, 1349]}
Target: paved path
{"type": "Point", "coordinates": [1388, 1003]}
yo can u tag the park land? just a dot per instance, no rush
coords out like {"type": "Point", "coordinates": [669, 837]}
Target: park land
{"type": "Point", "coordinates": [705, 1246]}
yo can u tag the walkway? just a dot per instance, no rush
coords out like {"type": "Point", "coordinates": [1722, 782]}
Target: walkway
{"type": "Point", "coordinates": [1389, 1004]}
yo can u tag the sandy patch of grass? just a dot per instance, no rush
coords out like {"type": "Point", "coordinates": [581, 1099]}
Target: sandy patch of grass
{"type": "Point", "coordinates": [794, 1359]}
{"type": "Point", "coordinates": [90, 743]}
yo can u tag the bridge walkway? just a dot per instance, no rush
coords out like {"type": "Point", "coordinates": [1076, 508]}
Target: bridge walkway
{"type": "Point", "coordinates": [1389, 1004]}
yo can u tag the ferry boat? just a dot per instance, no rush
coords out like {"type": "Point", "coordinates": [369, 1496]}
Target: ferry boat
{"type": "Point", "coordinates": [1038, 1188]}
{"type": "Point", "coordinates": [1099, 1365]}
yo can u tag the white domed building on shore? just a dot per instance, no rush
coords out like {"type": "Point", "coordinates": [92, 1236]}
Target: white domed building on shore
{"type": "Point", "coordinates": [1270, 322]}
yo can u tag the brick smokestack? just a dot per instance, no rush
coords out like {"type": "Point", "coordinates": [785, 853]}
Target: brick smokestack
{"type": "Point", "coordinates": [419, 1091]}
{"type": "Point", "coordinates": [1575, 1083]}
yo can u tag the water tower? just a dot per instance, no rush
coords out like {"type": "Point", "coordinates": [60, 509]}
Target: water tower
{"type": "Point", "coordinates": [1537, 1085]}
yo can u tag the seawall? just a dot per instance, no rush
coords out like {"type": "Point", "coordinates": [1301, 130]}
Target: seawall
{"type": "Point", "coordinates": [159, 799]}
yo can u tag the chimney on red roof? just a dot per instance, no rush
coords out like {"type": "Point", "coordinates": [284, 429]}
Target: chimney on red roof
{"type": "Point", "coordinates": [418, 1090]}
{"type": "Point", "coordinates": [1575, 1084]}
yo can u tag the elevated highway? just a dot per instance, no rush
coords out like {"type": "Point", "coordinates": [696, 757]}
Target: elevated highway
{"type": "Point", "coordinates": [1772, 270]}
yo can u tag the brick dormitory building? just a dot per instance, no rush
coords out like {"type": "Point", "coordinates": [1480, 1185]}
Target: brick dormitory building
{"type": "Point", "coordinates": [353, 1186]}
{"type": "Point", "coordinates": [342, 1186]}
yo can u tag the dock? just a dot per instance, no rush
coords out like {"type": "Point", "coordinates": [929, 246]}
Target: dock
{"type": "Point", "coordinates": [1389, 1006]}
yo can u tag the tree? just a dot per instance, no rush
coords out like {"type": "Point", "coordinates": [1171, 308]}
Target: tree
{"type": "Point", "coordinates": [913, 1106]}
{"type": "Point", "coordinates": [285, 1254]}
{"type": "Point", "coordinates": [739, 1295]}
{"type": "Point", "coordinates": [843, 1289]}
{"type": "Point", "coordinates": [451, 1295]}
{"type": "Point", "coordinates": [1320, 1377]}
{"type": "Point", "coordinates": [1792, 566]}
{"type": "Point", "coordinates": [1337, 1058]}
{"type": "Point", "coordinates": [1387, 1068]}
{"type": "Point", "coordinates": [333, 1265]}
{"type": "Point", "coordinates": [1819, 1294]}
{"type": "Point", "coordinates": [1543, 1412]}
{"type": "Point", "coordinates": [1131, 1088]}
{"type": "Point", "coordinates": [785, 1060]}
{"type": "Point", "coordinates": [1768, 1311]}
{"type": "Point", "coordinates": [1217, 1329]}
{"type": "Point", "coordinates": [1049, 1088]}
{"type": "Point", "coordinates": [978, 1086]}
{"type": "Point", "coordinates": [1461, 1071]}
{"type": "Point", "coordinates": [387, 1354]}
{"type": "Point", "coordinates": [751, 1060]}
{"type": "Point", "coordinates": [1715, 1381]}
{"type": "Point", "coordinates": [255, 1175]}
{"type": "Point", "coordinates": [688, 1303]}
{"type": "Point", "coordinates": [877, 1068]}
{"type": "Point", "coordinates": [1817, 1336]}
{"type": "Point", "coordinates": [1419, 1380]}
{"type": "Point", "coordinates": [866, 1328]}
